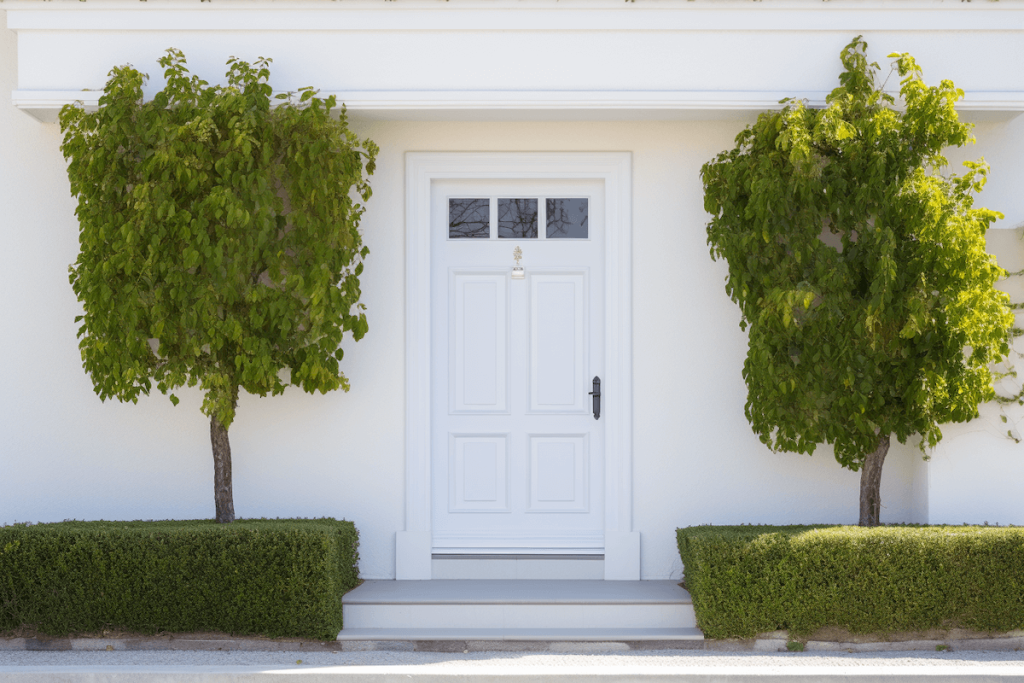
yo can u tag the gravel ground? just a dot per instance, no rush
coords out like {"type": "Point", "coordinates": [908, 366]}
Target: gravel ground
{"type": "Point", "coordinates": [1008, 661]}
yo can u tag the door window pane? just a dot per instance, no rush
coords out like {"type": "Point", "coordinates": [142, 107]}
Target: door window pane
{"type": "Point", "coordinates": [567, 218]}
{"type": "Point", "coordinates": [469, 218]}
{"type": "Point", "coordinates": [517, 218]}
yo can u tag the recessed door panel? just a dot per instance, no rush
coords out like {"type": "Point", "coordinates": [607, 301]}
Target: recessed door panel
{"type": "Point", "coordinates": [558, 343]}
{"type": "Point", "coordinates": [559, 475]}
{"type": "Point", "coordinates": [478, 473]}
{"type": "Point", "coordinates": [478, 343]}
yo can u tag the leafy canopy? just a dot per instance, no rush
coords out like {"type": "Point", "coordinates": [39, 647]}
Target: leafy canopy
{"type": "Point", "coordinates": [219, 236]}
{"type": "Point", "coordinates": [859, 269]}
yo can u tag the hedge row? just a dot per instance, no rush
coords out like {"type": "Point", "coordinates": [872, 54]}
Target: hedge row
{"type": "Point", "coordinates": [268, 577]}
{"type": "Point", "coordinates": [753, 579]}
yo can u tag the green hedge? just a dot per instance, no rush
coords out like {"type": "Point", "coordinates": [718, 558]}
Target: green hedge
{"type": "Point", "coordinates": [752, 579]}
{"type": "Point", "coordinates": [269, 577]}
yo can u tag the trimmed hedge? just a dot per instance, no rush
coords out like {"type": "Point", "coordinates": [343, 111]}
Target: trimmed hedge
{"type": "Point", "coordinates": [267, 577]}
{"type": "Point", "coordinates": [746, 580]}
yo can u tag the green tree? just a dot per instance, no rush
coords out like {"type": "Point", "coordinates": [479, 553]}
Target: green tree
{"type": "Point", "coordinates": [860, 270]}
{"type": "Point", "coordinates": [220, 241]}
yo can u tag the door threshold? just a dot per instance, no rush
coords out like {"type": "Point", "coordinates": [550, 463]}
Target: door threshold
{"type": "Point", "coordinates": [515, 556]}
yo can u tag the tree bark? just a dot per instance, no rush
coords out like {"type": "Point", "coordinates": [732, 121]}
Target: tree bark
{"type": "Point", "coordinates": [222, 494]}
{"type": "Point", "coordinates": [871, 484]}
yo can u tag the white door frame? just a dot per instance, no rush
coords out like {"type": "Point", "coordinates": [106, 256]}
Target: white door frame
{"type": "Point", "coordinates": [622, 544]}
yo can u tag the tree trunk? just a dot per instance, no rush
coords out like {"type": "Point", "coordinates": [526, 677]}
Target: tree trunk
{"type": "Point", "coordinates": [871, 484]}
{"type": "Point", "coordinates": [222, 494]}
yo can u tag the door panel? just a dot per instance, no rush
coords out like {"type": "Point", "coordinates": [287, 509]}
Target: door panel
{"type": "Point", "coordinates": [558, 473]}
{"type": "Point", "coordinates": [478, 473]}
{"type": "Point", "coordinates": [478, 362]}
{"type": "Point", "coordinates": [558, 342]}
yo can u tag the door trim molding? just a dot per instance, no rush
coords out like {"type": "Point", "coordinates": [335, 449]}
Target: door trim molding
{"type": "Point", "coordinates": [413, 545]}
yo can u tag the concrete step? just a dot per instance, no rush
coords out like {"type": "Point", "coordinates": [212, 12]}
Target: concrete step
{"type": "Point", "coordinates": [528, 606]}
{"type": "Point", "coordinates": [534, 567]}
{"type": "Point", "coordinates": [601, 635]}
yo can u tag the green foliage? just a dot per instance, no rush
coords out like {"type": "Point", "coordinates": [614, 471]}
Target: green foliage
{"type": "Point", "coordinates": [219, 236]}
{"type": "Point", "coordinates": [892, 329]}
{"type": "Point", "coordinates": [746, 580]}
{"type": "Point", "coordinates": [269, 577]}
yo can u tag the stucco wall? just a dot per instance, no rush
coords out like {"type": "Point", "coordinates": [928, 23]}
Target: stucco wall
{"type": "Point", "coordinates": [64, 454]}
{"type": "Point", "coordinates": [976, 474]}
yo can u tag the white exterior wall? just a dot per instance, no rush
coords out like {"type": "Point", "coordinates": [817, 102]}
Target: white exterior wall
{"type": "Point", "coordinates": [976, 474]}
{"type": "Point", "coordinates": [64, 454]}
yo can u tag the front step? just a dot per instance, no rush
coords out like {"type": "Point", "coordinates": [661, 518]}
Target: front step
{"type": "Point", "coordinates": [534, 567]}
{"type": "Point", "coordinates": [558, 635]}
{"type": "Point", "coordinates": [519, 610]}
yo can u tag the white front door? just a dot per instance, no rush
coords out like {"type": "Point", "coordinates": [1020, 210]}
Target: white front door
{"type": "Point", "coordinates": [517, 456]}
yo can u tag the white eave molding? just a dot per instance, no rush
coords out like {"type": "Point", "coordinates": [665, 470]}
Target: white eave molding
{"type": "Point", "coordinates": [546, 105]}
{"type": "Point", "coordinates": [649, 59]}
{"type": "Point", "coordinates": [516, 15]}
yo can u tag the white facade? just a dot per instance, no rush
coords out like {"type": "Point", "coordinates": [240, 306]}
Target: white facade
{"type": "Point", "coordinates": [668, 84]}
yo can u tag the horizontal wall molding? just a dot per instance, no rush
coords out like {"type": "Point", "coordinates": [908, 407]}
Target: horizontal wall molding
{"type": "Point", "coordinates": [526, 60]}
{"type": "Point", "coordinates": [517, 15]}
{"type": "Point", "coordinates": [45, 105]}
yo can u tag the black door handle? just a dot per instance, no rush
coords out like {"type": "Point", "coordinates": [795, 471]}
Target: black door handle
{"type": "Point", "coordinates": [596, 393]}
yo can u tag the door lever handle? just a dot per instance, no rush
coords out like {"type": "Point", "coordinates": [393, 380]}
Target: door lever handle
{"type": "Point", "coordinates": [596, 393]}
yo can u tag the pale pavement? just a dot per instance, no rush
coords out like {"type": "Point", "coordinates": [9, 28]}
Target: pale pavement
{"type": "Point", "coordinates": [1011, 662]}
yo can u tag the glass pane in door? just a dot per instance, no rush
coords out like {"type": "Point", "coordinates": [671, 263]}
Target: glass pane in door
{"type": "Point", "coordinates": [469, 218]}
{"type": "Point", "coordinates": [567, 218]}
{"type": "Point", "coordinates": [517, 218]}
